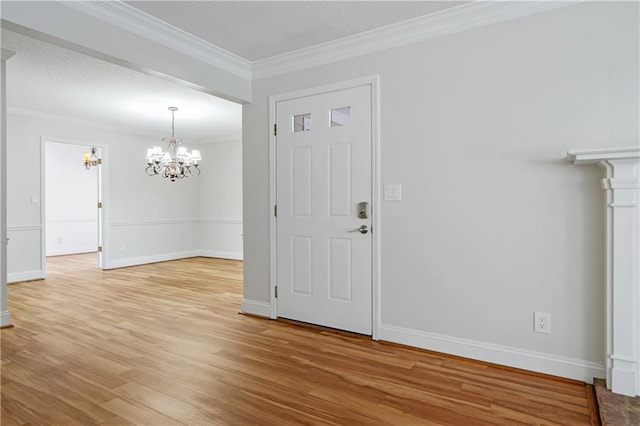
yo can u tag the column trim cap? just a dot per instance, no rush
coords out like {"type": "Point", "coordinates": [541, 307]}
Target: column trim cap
{"type": "Point", "coordinates": [594, 156]}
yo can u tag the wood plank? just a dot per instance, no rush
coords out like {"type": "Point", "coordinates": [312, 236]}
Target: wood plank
{"type": "Point", "coordinates": [137, 413]}
{"type": "Point", "coordinates": [167, 405]}
{"type": "Point", "coordinates": [164, 344]}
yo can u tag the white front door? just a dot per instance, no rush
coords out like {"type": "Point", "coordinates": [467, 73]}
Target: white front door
{"type": "Point", "coordinates": [323, 177]}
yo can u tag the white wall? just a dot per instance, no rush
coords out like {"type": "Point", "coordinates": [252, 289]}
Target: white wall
{"type": "Point", "coordinates": [494, 223]}
{"type": "Point", "coordinates": [71, 196]}
{"type": "Point", "coordinates": [148, 218]}
{"type": "Point", "coordinates": [220, 198]}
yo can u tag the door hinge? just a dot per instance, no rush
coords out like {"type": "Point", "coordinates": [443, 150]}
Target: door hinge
{"type": "Point", "coordinates": [99, 204]}
{"type": "Point", "coordinates": [276, 292]}
{"type": "Point", "coordinates": [275, 130]}
{"type": "Point", "coordinates": [275, 210]}
{"type": "Point", "coordinates": [99, 160]}
{"type": "Point", "coordinates": [99, 249]}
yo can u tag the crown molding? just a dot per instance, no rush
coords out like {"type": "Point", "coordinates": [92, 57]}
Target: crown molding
{"type": "Point", "coordinates": [449, 21]}
{"type": "Point", "coordinates": [461, 18]}
{"type": "Point", "coordinates": [151, 28]}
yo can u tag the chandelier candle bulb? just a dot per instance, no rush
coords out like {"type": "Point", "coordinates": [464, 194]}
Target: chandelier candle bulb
{"type": "Point", "coordinates": [176, 162]}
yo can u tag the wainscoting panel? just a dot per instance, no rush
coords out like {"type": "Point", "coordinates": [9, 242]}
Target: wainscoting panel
{"type": "Point", "coordinates": [221, 238]}
{"type": "Point", "coordinates": [135, 243]}
{"type": "Point", "coordinates": [71, 236]}
{"type": "Point", "coordinates": [24, 253]}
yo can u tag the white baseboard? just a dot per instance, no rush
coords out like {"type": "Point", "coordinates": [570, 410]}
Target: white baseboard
{"type": "Point", "coordinates": [234, 255]}
{"type": "Point", "coordinates": [256, 307]}
{"type": "Point", "coordinates": [133, 261]}
{"type": "Point", "coordinates": [624, 382]}
{"type": "Point", "coordinates": [5, 319]}
{"type": "Point", "coordinates": [571, 368]}
{"type": "Point", "coordinates": [72, 250]}
{"type": "Point", "coordinates": [15, 277]}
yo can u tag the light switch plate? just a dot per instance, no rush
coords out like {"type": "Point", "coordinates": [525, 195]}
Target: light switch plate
{"type": "Point", "coordinates": [393, 192]}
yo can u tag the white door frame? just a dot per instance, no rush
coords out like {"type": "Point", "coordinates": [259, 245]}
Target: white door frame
{"type": "Point", "coordinates": [374, 82]}
{"type": "Point", "coordinates": [104, 195]}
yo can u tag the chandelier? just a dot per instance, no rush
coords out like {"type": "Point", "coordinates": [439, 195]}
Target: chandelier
{"type": "Point", "coordinates": [175, 162]}
{"type": "Point", "coordinates": [90, 158]}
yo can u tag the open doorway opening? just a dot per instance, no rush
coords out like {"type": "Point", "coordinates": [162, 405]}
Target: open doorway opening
{"type": "Point", "coordinates": [146, 218]}
{"type": "Point", "coordinates": [72, 199]}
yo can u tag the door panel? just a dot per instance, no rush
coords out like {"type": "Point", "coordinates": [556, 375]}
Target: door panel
{"type": "Point", "coordinates": [301, 263]}
{"type": "Point", "coordinates": [323, 157]}
{"type": "Point", "coordinates": [340, 180]}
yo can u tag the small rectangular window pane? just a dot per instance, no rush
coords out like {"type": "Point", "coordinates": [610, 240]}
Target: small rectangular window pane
{"type": "Point", "coordinates": [302, 122]}
{"type": "Point", "coordinates": [340, 116]}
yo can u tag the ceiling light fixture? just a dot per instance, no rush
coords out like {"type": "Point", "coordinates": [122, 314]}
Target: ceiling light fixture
{"type": "Point", "coordinates": [176, 162]}
{"type": "Point", "coordinates": [90, 158]}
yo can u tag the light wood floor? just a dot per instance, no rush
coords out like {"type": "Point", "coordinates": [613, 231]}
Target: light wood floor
{"type": "Point", "coordinates": [164, 344]}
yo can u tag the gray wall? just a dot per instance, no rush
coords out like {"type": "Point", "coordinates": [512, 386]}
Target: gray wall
{"type": "Point", "coordinates": [494, 223]}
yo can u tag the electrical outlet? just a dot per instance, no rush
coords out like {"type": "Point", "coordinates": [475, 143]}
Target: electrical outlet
{"type": "Point", "coordinates": [60, 240]}
{"type": "Point", "coordinates": [123, 248]}
{"type": "Point", "coordinates": [542, 322]}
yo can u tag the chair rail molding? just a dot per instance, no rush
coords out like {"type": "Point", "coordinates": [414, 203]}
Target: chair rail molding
{"type": "Point", "coordinates": [622, 303]}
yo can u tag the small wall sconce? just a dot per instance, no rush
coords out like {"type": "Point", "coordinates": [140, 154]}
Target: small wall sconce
{"type": "Point", "coordinates": [90, 158]}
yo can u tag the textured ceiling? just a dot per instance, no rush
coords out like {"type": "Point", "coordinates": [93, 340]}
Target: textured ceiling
{"type": "Point", "coordinates": [50, 79]}
{"type": "Point", "coordinates": [260, 29]}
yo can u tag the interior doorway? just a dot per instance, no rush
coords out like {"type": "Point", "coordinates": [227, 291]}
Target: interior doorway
{"type": "Point", "coordinates": [72, 201]}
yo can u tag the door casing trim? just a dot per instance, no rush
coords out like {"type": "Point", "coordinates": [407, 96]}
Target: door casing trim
{"type": "Point", "coordinates": [102, 183]}
{"type": "Point", "coordinates": [374, 82]}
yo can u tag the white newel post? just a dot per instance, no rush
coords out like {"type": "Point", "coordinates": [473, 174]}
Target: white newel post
{"type": "Point", "coordinates": [622, 304]}
{"type": "Point", "coordinates": [5, 318]}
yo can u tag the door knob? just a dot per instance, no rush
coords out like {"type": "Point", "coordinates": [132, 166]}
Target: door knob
{"type": "Point", "coordinates": [363, 229]}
